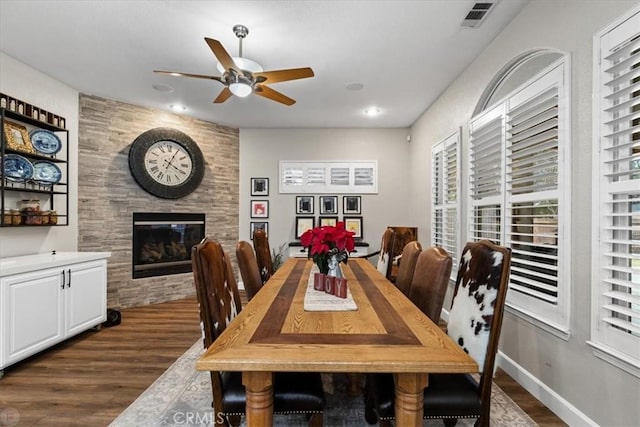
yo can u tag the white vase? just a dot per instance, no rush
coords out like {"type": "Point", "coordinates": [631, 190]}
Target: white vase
{"type": "Point", "coordinates": [334, 267]}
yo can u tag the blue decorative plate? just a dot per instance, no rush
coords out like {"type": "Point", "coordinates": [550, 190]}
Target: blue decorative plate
{"type": "Point", "coordinates": [17, 168]}
{"type": "Point", "coordinates": [46, 172]}
{"type": "Point", "coordinates": [45, 141]}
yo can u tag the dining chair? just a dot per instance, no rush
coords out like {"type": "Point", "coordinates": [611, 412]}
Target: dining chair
{"type": "Point", "coordinates": [401, 236]}
{"type": "Point", "coordinates": [410, 254]}
{"type": "Point", "coordinates": [248, 267]}
{"type": "Point", "coordinates": [219, 303]}
{"type": "Point", "coordinates": [430, 280]}
{"type": "Point", "coordinates": [475, 321]}
{"type": "Point", "coordinates": [263, 254]}
{"type": "Point", "coordinates": [384, 253]}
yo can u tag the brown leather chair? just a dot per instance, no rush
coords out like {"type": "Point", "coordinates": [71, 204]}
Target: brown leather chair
{"type": "Point", "coordinates": [263, 254]}
{"type": "Point", "coordinates": [248, 269]}
{"type": "Point", "coordinates": [475, 320]}
{"type": "Point", "coordinates": [401, 236]}
{"type": "Point", "coordinates": [219, 303]}
{"type": "Point", "coordinates": [430, 280]}
{"type": "Point", "coordinates": [407, 266]}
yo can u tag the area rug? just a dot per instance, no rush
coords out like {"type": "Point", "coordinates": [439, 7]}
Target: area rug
{"type": "Point", "coordinates": [181, 397]}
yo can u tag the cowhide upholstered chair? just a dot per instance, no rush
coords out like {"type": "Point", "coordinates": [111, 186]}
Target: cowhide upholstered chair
{"type": "Point", "coordinates": [475, 320]}
{"type": "Point", "coordinates": [219, 303]}
{"type": "Point", "coordinates": [263, 254]}
{"type": "Point", "coordinates": [248, 267]}
{"type": "Point", "coordinates": [401, 236]}
{"type": "Point", "coordinates": [430, 280]}
{"type": "Point", "coordinates": [410, 254]}
{"type": "Point", "coordinates": [384, 254]}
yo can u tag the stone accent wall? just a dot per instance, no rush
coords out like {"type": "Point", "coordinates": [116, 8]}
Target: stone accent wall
{"type": "Point", "coordinates": [108, 195]}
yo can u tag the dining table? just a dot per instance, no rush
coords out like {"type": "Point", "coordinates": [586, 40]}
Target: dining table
{"type": "Point", "coordinates": [376, 329]}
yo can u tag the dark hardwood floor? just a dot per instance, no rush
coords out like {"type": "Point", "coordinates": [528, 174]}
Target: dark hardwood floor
{"type": "Point", "coordinates": [89, 379]}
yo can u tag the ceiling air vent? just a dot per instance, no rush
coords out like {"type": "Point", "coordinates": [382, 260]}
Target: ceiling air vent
{"type": "Point", "coordinates": [478, 13]}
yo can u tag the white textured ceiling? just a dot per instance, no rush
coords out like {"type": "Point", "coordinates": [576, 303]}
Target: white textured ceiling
{"type": "Point", "coordinates": [404, 53]}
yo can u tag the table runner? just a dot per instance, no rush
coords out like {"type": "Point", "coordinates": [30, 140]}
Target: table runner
{"type": "Point", "coordinates": [322, 301]}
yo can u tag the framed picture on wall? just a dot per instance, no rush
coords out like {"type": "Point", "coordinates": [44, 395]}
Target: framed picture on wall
{"type": "Point", "coordinates": [304, 223]}
{"type": "Point", "coordinates": [259, 209]}
{"type": "Point", "coordinates": [259, 186]}
{"type": "Point", "coordinates": [328, 205]}
{"type": "Point", "coordinates": [354, 223]}
{"type": "Point", "coordinates": [328, 220]}
{"type": "Point", "coordinates": [351, 205]}
{"type": "Point", "coordinates": [304, 205]}
{"type": "Point", "coordinates": [253, 226]}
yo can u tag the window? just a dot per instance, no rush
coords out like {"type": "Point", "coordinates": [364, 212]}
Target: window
{"type": "Point", "coordinates": [444, 201]}
{"type": "Point", "coordinates": [329, 177]}
{"type": "Point", "coordinates": [616, 252]}
{"type": "Point", "coordinates": [519, 184]}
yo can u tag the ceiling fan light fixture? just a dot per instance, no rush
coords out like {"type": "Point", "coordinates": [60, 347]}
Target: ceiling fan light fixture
{"type": "Point", "coordinates": [240, 89]}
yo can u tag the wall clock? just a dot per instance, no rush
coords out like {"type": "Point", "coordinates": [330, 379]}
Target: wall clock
{"type": "Point", "coordinates": [166, 163]}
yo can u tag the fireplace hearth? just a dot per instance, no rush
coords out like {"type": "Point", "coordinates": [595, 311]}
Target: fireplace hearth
{"type": "Point", "coordinates": [162, 242]}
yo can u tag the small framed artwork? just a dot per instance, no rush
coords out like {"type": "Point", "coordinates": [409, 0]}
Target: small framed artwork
{"type": "Point", "coordinates": [351, 205]}
{"type": "Point", "coordinates": [328, 220]}
{"type": "Point", "coordinates": [259, 209]}
{"type": "Point", "coordinates": [328, 205]}
{"type": "Point", "coordinates": [253, 226]}
{"type": "Point", "coordinates": [304, 205]}
{"type": "Point", "coordinates": [17, 138]}
{"type": "Point", "coordinates": [354, 223]}
{"type": "Point", "coordinates": [259, 186]}
{"type": "Point", "coordinates": [304, 223]}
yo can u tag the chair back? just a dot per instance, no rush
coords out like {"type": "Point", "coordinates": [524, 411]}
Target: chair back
{"type": "Point", "coordinates": [476, 313]}
{"type": "Point", "coordinates": [384, 257]}
{"type": "Point", "coordinates": [216, 288]}
{"type": "Point", "coordinates": [407, 266]}
{"type": "Point", "coordinates": [263, 254]}
{"type": "Point", "coordinates": [248, 267]}
{"type": "Point", "coordinates": [430, 280]}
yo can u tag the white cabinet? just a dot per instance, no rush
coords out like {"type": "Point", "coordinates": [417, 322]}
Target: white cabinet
{"type": "Point", "coordinates": [42, 307]}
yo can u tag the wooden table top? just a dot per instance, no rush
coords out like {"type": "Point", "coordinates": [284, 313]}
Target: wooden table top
{"type": "Point", "coordinates": [386, 334]}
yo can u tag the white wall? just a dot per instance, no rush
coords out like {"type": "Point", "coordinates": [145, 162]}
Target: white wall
{"type": "Point", "coordinates": [602, 392]}
{"type": "Point", "coordinates": [262, 149]}
{"type": "Point", "coordinates": [33, 87]}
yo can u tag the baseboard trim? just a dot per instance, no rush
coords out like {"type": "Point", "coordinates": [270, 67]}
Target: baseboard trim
{"type": "Point", "coordinates": [552, 400]}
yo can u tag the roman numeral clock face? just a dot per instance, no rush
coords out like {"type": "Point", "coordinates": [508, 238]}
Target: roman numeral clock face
{"type": "Point", "coordinates": [166, 163]}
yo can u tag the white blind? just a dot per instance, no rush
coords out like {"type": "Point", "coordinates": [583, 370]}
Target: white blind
{"type": "Point", "coordinates": [445, 190]}
{"type": "Point", "coordinates": [617, 252]}
{"type": "Point", "coordinates": [329, 177]}
{"type": "Point", "coordinates": [532, 188]}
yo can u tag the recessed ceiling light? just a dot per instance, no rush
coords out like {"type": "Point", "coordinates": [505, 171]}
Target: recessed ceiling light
{"type": "Point", "coordinates": [162, 88]}
{"type": "Point", "coordinates": [177, 107]}
{"type": "Point", "coordinates": [355, 86]}
{"type": "Point", "coordinates": [372, 111]}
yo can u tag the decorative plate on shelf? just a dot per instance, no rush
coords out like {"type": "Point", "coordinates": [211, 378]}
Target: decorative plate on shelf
{"type": "Point", "coordinates": [46, 172]}
{"type": "Point", "coordinates": [45, 141]}
{"type": "Point", "coordinates": [17, 168]}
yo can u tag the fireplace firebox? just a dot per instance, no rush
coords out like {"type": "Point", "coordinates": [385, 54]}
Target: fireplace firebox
{"type": "Point", "coordinates": [162, 242]}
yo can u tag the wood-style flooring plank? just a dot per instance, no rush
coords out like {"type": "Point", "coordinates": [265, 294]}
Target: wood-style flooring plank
{"type": "Point", "coordinates": [90, 379]}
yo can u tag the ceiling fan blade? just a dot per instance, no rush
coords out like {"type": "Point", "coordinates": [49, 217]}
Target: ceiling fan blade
{"type": "Point", "coordinates": [197, 76]}
{"type": "Point", "coordinates": [223, 96]}
{"type": "Point", "coordinates": [221, 53]}
{"type": "Point", "coordinates": [283, 75]}
{"type": "Point", "coordinates": [274, 95]}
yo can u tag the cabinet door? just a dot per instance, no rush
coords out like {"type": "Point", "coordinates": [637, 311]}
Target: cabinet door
{"type": "Point", "coordinates": [86, 296]}
{"type": "Point", "coordinates": [32, 306]}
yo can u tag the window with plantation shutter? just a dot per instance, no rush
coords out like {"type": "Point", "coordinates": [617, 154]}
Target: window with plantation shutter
{"type": "Point", "coordinates": [328, 177]}
{"type": "Point", "coordinates": [616, 254]}
{"type": "Point", "coordinates": [445, 197]}
{"type": "Point", "coordinates": [519, 192]}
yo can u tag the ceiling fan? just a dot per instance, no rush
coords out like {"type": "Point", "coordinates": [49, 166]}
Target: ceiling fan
{"type": "Point", "coordinates": [242, 76]}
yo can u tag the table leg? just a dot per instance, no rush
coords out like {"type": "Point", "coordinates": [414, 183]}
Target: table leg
{"type": "Point", "coordinates": [409, 398]}
{"type": "Point", "coordinates": [259, 392]}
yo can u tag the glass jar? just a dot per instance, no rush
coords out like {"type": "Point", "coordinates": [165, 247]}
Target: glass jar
{"type": "Point", "coordinates": [16, 218]}
{"type": "Point", "coordinates": [44, 217]}
{"type": "Point", "coordinates": [53, 217]}
{"type": "Point", "coordinates": [30, 210]}
{"type": "Point", "coordinates": [7, 219]}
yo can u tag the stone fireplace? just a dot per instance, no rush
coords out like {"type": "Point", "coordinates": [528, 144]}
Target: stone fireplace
{"type": "Point", "coordinates": [162, 242]}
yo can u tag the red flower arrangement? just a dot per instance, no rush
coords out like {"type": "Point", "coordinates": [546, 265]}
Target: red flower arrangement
{"type": "Point", "coordinates": [327, 241]}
